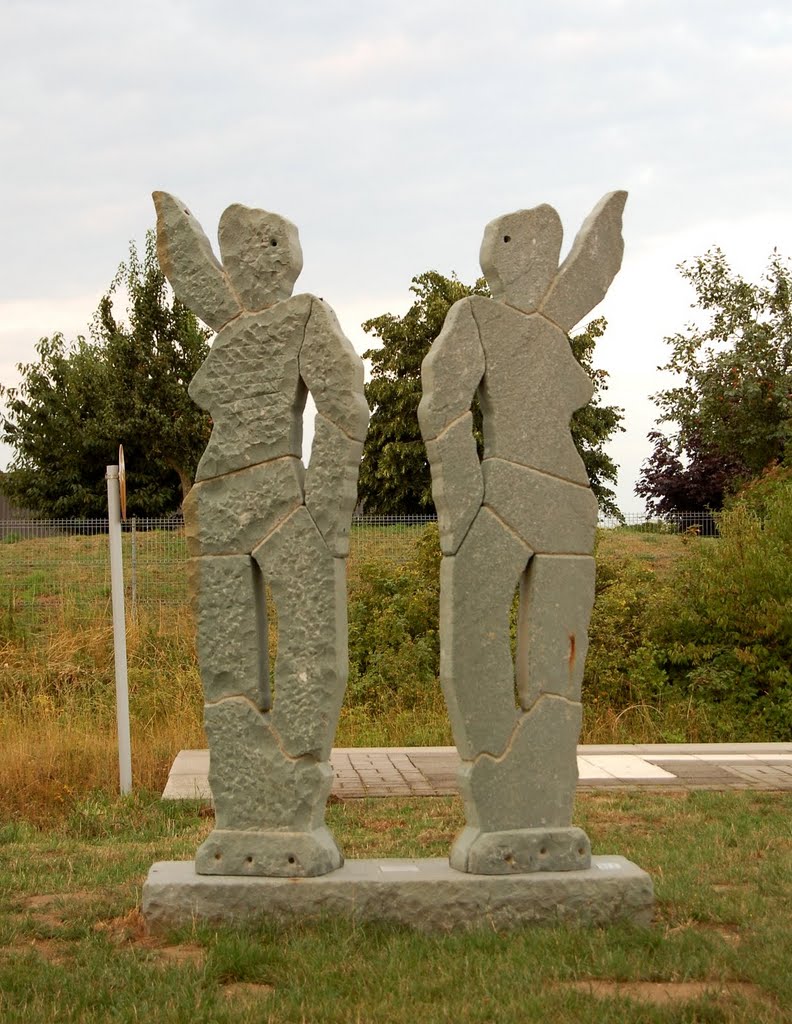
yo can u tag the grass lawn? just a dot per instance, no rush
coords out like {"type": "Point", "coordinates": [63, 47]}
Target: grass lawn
{"type": "Point", "coordinates": [74, 948]}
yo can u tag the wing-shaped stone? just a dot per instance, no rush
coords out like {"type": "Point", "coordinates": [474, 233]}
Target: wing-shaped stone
{"type": "Point", "coordinates": [186, 257]}
{"type": "Point", "coordinates": [593, 261]}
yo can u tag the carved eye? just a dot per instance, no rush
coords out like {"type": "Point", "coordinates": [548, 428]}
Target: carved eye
{"type": "Point", "coordinates": [507, 238]}
{"type": "Point", "coordinates": [273, 241]}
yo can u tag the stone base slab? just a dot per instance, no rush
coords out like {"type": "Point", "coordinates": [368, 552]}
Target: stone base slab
{"type": "Point", "coordinates": [426, 894]}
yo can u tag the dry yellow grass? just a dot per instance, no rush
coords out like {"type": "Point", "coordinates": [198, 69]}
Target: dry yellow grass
{"type": "Point", "coordinates": [57, 691]}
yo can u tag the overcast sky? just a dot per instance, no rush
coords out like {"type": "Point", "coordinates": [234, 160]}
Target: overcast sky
{"type": "Point", "coordinates": [391, 133]}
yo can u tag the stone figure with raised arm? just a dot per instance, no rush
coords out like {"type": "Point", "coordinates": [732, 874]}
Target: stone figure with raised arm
{"type": "Point", "coordinates": [522, 516]}
{"type": "Point", "coordinates": [256, 516]}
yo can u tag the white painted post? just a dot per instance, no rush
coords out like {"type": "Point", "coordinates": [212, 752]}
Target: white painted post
{"type": "Point", "coordinates": [119, 630]}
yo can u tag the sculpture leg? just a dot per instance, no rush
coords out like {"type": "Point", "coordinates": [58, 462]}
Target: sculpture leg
{"type": "Point", "coordinates": [476, 668]}
{"type": "Point", "coordinates": [524, 798]}
{"type": "Point", "coordinates": [269, 803]}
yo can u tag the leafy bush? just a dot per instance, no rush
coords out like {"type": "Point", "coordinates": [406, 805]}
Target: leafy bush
{"type": "Point", "coordinates": [621, 668]}
{"type": "Point", "coordinates": [393, 627]}
{"type": "Point", "coordinates": [725, 626]}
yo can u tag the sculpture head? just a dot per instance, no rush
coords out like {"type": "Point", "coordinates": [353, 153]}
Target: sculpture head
{"type": "Point", "coordinates": [519, 255]}
{"type": "Point", "coordinates": [261, 254]}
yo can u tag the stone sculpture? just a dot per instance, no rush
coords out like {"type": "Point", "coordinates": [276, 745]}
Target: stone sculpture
{"type": "Point", "coordinates": [523, 515]}
{"type": "Point", "coordinates": [256, 516]}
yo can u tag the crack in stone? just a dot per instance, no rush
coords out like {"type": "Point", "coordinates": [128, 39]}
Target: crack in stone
{"type": "Point", "coordinates": [499, 758]}
{"type": "Point", "coordinates": [533, 469]}
{"type": "Point", "coordinates": [272, 731]}
{"type": "Point", "coordinates": [506, 526]}
{"type": "Point", "coordinates": [246, 469]}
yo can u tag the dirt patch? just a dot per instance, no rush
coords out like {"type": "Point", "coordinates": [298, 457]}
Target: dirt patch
{"type": "Point", "coordinates": [661, 993]}
{"type": "Point", "coordinates": [728, 932]}
{"type": "Point", "coordinates": [246, 991]}
{"type": "Point", "coordinates": [54, 909]}
{"type": "Point", "coordinates": [180, 955]}
{"type": "Point", "coordinates": [129, 928]}
{"type": "Point", "coordinates": [53, 952]}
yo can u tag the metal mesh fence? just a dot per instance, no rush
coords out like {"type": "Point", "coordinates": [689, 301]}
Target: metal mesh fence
{"type": "Point", "coordinates": [704, 524]}
{"type": "Point", "coordinates": [47, 564]}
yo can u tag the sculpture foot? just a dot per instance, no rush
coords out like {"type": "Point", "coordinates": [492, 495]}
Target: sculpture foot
{"type": "Point", "coordinates": [522, 850]}
{"type": "Point", "coordinates": [267, 852]}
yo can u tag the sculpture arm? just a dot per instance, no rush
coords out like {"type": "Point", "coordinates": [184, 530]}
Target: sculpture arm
{"type": "Point", "coordinates": [186, 257]}
{"type": "Point", "coordinates": [451, 372]}
{"type": "Point", "coordinates": [593, 261]}
{"type": "Point", "coordinates": [333, 373]}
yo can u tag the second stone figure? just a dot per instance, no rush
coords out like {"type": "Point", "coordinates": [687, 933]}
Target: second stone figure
{"type": "Point", "coordinates": [257, 517]}
{"type": "Point", "coordinates": [523, 517]}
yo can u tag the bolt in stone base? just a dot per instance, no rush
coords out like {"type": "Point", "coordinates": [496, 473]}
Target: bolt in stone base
{"type": "Point", "coordinates": [268, 853]}
{"type": "Point", "coordinates": [520, 850]}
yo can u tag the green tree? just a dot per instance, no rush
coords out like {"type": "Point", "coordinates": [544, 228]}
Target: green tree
{"type": "Point", "coordinates": [124, 384]}
{"type": "Point", "coordinates": [394, 474]}
{"type": "Point", "coordinates": [732, 411]}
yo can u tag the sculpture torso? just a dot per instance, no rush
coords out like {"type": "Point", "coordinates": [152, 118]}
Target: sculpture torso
{"type": "Point", "coordinates": [251, 386]}
{"type": "Point", "coordinates": [532, 384]}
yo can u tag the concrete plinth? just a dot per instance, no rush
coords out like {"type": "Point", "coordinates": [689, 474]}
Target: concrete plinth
{"type": "Point", "coordinates": [426, 894]}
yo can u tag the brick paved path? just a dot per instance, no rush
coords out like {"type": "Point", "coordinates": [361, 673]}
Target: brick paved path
{"type": "Point", "coordinates": [431, 771]}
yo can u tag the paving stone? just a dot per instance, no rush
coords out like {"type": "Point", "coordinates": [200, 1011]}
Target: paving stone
{"type": "Point", "coordinates": [427, 895]}
{"type": "Point", "coordinates": [477, 588]}
{"type": "Point", "coordinates": [593, 261]}
{"type": "Point", "coordinates": [519, 255]}
{"type": "Point", "coordinates": [331, 483]}
{"type": "Point", "coordinates": [551, 516]}
{"type": "Point", "coordinates": [261, 254]}
{"type": "Point", "coordinates": [309, 591]}
{"type": "Point", "coordinates": [457, 481]}
{"type": "Point", "coordinates": [231, 626]}
{"type": "Point", "coordinates": [531, 387]}
{"type": "Point", "coordinates": [232, 514]}
{"type": "Point", "coordinates": [333, 372]}
{"type": "Point", "coordinates": [186, 257]}
{"type": "Point", "coordinates": [450, 372]}
{"type": "Point", "coordinates": [250, 385]}
{"type": "Point", "coordinates": [556, 598]}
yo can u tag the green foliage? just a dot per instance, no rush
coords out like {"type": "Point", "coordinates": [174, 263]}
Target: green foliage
{"type": "Point", "coordinates": [702, 648]}
{"type": "Point", "coordinates": [394, 650]}
{"type": "Point", "coordinates": [394, 474]}
{"type": "Point", "coordinates": [732, 411]}
{"type": "Point", "coordinates": [125, 384]}
{"type": "Point", "coordinates": [595, 424]}
{"type": "Point", "coordinates": [620, 669]}
{"type": "Point", "coordinates": [725, 626]}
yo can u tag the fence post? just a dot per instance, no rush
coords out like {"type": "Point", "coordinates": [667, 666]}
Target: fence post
{"type": "Point", "coordinates": [133, 576]}
{"type": "Point", "coordinates": [119, 630]}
